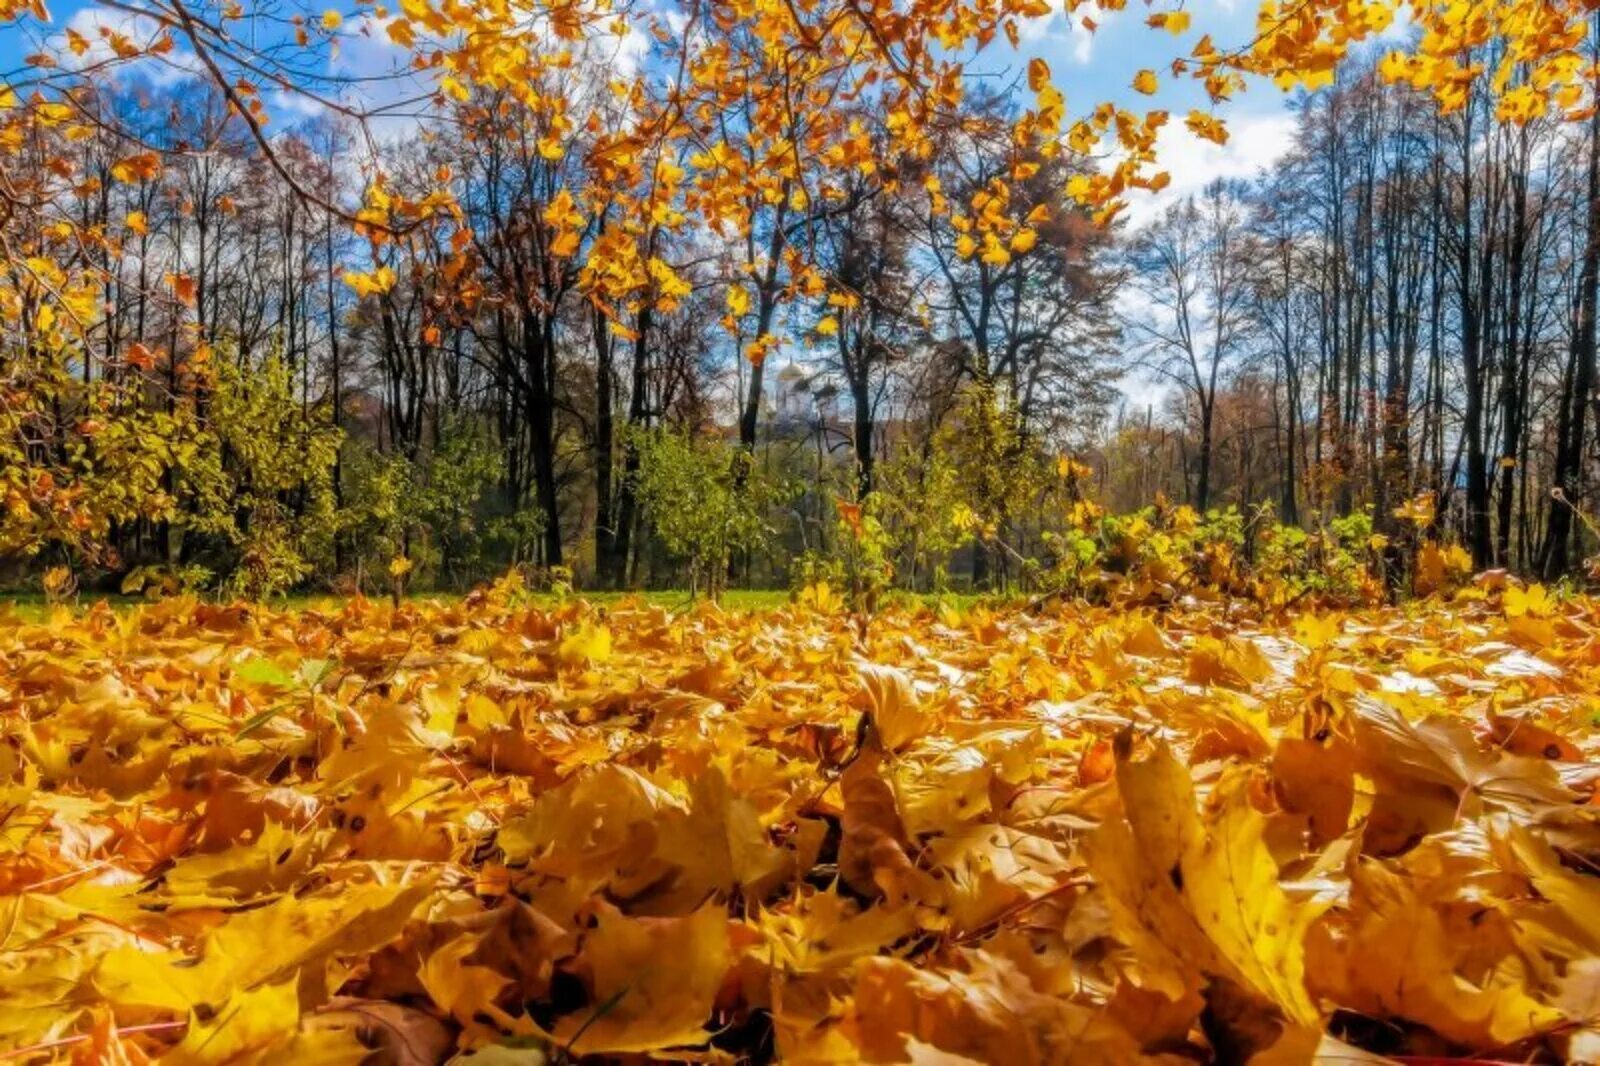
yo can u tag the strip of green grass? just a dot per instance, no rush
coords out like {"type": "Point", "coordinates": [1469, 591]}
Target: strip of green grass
{"type": "Point", "coordinates": [33, 607]}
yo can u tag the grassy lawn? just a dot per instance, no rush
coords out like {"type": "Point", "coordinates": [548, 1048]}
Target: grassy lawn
{"type": "Point", "coordinates": [33, 607]}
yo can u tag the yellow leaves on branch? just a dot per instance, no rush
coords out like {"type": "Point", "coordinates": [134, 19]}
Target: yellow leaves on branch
{"type": "Point", "coordinates": [1530, 53]}
{"type": "Point", "coordinates": [1537, 64]}
{"type": "Point", "coordinates": [184, 287]}
{"type": "Point", "coordinates": [1174, 22]}
{"type": "Point", "coordinates": [371, 283]}
{"type": "Point", "coordinates": [144, 166]}
{"type": "Point", "coordinates": [561, 214]}
{"type": "Point", "coordinates": [1206, 127]}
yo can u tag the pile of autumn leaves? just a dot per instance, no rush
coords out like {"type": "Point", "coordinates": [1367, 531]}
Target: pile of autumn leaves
{"type": "Point", "coordinates": [493, 832]}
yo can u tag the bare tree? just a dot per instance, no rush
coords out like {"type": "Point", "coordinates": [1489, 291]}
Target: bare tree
{"type": "Point", "coordinates": [1192, 273]}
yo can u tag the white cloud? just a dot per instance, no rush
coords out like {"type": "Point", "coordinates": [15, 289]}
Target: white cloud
{"type": "Point", "coordinates": [1255, 143]}
{"type": "Point", "coordinates": [97, 25]}
{"type": "Point", "coordinates": [1083, 47]}
{"type": "Point", "coordinates": [1058, 32]}
{"type": "Point", "coordinates": [1141, 384]}
{"type": "Point", "coordinates": [1083, 37]}
{"type": "Point", "coordinates": [1040, 29]}
{"type": "Point", "coordinates": [1145, 391]}
{"type": "Point", "coordinates": [1401, 28]}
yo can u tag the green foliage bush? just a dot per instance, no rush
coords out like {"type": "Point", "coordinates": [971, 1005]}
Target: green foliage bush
{"type": "Point", "coordinates": [705, 500]}
{"type": "Point", "coordinates": [260, 489]}
{"type": "Point", "coordinates": [247, 488]}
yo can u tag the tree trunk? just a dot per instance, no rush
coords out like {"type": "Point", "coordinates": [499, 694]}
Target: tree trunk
{"type": "Point", "coordinates": [538, 339]}
{"type": "Point", "coordinates": [1580, 381]}
{"type": "Point", "coordinates": [605, 529]}
{"type": "Point", "coordinates": [1478, 532]}
{"type": "Point", "coordinates": [862, 400]}
{"type": "Point", "coordinates": [627, 511]}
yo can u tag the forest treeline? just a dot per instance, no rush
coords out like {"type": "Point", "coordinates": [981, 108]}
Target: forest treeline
{"type": "Point", "coordinates": [1388, 338]}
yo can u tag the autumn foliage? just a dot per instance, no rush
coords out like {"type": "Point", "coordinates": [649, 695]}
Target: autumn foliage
{"type": "Point", "coordinates": [495, 829]}
{"type": "Point", "coordinates": [1219, 793]}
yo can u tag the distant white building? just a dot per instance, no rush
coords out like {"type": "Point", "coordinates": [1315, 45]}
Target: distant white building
{"type": "Point", "coordinates": [793, 400]}
{"type": "Point", "coordinates": [802, 395]}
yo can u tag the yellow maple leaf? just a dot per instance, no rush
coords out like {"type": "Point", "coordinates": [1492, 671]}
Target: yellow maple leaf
{"type": "Point", "coordinates": [1201, 900]}
{"type": "Point", "coordinates": [248, 1024]}
{"type": "Point", "coordinates": [300, 931]}
{"type": "Point", "coordinates": [585, 645]}
{"type": "Point", "coordinates": [657, 979]}
{"type": "Point", "coordinates": [1533, 601]}
{"type": "Point", "coordinates": [461, 988]}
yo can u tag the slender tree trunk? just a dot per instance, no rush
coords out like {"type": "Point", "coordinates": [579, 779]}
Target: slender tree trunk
{"type": "Point", "coordinates": [1511, 397]}
{"type": "Point", "coordinates": [336, 386]}
{"type": "Point", "coordinates": [767, 304]}
{"type": "Point", "coordinates": [1473, 369]}
{"type": "Point", "coordinates": [862, 399]}
{"type": "Point", "coordinates": [538, 339]}
{"type": "Point", "coordinates": [627, 512]}
{"type": "Point", "coordinates": [605, 527]}
{"type": "Point", "coordinates": [1581, 373]}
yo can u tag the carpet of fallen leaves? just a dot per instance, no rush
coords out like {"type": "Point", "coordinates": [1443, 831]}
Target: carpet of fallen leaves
{"type": "Point", "coordinates": [497, 832]}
